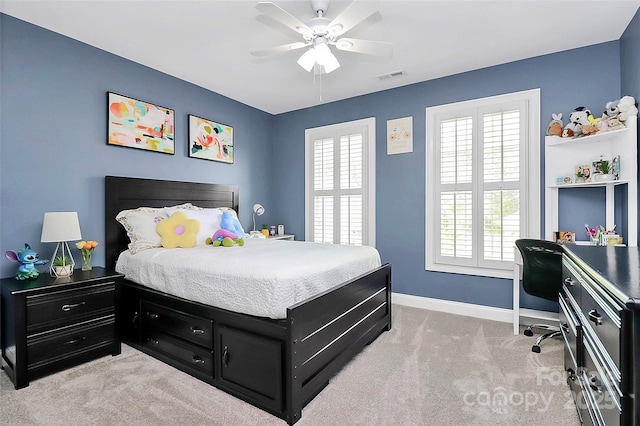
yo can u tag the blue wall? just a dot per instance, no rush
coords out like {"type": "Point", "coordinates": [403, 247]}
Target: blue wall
{"type": "Point", "coordinates": [566, 80]}
{"type": "Point", "coordinates": [53, 131]}
{"type": "Point", "coordinates": [54, 153]}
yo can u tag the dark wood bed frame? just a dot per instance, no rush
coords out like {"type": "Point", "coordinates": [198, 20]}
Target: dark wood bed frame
{"type": "Point", "coordinates": [276, 365]}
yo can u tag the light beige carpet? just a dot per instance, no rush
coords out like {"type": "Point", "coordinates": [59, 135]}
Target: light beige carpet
{"type": "Point", "coordinates": [430, 369]}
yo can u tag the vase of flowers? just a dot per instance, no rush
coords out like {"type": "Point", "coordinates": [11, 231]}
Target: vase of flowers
{"type": "Point", "coordinates": [86, 249]}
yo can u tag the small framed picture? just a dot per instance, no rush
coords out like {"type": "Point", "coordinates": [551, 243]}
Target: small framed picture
{"type": "Point", "coordinates": [583, 173]}
{"type": "Point", "coordinates": [210, 140]}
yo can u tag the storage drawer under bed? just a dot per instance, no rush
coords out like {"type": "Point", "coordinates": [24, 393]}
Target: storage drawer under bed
{"type": "Point", "coordinates": [179, 353]}
{"type": "Point", "coordinates": [191, 328]}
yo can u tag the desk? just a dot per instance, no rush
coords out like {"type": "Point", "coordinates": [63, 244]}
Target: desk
{"type": "Point", "coordinates": [517, 275]}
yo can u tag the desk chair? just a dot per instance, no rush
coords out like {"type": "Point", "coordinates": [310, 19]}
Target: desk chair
{"type": "Point", "coordinates": [541, 277]}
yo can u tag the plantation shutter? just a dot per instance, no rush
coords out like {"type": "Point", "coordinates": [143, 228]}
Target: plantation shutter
{"type": "Point", "coordinates": [339, 191]}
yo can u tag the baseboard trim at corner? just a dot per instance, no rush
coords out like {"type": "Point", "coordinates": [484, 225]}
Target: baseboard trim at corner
{"type": "Point", "coordinates": [472, 310]}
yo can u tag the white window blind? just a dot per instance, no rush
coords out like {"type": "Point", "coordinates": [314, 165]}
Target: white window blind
{"type": "Point", "coordinates": [340, 194]}
{"type": "Point", "coordinates": [480, 198]}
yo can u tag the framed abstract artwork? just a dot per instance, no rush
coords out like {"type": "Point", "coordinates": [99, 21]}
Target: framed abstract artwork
{"type": "Point", "coordinates": [210, 140]}
{"type": "Point", "coordinates": [139, 124]}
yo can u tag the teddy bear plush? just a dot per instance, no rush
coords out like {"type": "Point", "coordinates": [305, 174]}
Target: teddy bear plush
{"type": "Point", "coordinates": [579, 118]}
{"type": "Point", "coordinates": [628, 108]}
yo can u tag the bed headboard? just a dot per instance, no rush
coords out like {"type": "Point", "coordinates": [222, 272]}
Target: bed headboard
{"type": "Point", "coordinates": [123, 193]}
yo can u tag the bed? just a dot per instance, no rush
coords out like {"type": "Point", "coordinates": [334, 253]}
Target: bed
{"type": "Point", "coordinates": [278, 364]}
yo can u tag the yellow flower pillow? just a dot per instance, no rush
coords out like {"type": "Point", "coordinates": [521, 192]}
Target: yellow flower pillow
{"type": "Point", "coordinates": [178, 231]}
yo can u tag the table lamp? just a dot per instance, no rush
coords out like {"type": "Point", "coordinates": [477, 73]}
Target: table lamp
{"type": "Point", "coordinates": [60, 227]}
{"type": "Point", "coordinates": [257, 210]}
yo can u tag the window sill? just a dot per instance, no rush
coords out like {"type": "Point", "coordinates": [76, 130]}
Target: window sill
{"type": "Point", "coordinates": [469, 270]}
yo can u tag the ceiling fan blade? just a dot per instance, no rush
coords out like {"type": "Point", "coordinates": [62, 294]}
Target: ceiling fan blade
{"type": "Point", "coordinates": [284, 17]}
{"type": "Point", "coordinates": [352, 15]}
{"type": "Point", "coordinates": [279, 49]}
{"type": "Point", "coordinates": [368, 47]}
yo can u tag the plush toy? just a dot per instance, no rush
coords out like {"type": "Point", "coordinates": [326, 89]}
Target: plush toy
{"type": "Point", "coordinates": [230, 232]}
{"type": "Point", "coordinates": [611, 109]}
{"type": "Point", "coordinates": [628, 108]}
{"type": "Point", "coordinates": [178, 231]}
{"type": "Point", "coordinates": [27, 259]}
{"type": "Point", "coordinates": [556, 126]}
{"type": "Point", "coordinates": [579, 118]}
{"type": "Point", "coordinates": [571, 130]}
{"type": "Point", "coordinates": [614, 124]}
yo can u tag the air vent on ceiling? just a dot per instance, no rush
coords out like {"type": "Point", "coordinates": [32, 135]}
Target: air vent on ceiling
{"type": "Point", "coordinates": [392, 74]}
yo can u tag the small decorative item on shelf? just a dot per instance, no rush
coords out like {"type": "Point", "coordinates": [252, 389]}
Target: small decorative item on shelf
{"type": "Point", "coordinates": [62, 266]}
{"type": "Point", "coordinates": [86, 249]}
{"type": "Point", "coordinates": [564, 180]}
{"type": "Point", "coordinates": [583, 173]}
{"type": "Point", "coordinates": [272, 230]}
{"type": "Point", "coordinates": [265, 230]}
{"type": "Point", "coordinates": [605, 170]}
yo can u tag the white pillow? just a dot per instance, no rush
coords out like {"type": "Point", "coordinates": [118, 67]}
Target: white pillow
{"type": "Point", "coordinates": [209, 221]}
{"type": "Point", "coordinates": [223, 209]}
{"type": "Point", "coordinates": [140, 225]}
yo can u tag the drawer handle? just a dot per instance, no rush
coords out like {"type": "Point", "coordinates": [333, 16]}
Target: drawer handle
{"type": "Point", "coordinates": [67, 308]}
{"type": "Point", "coordinates": [569, 282]}
{"type": "Point", "coordinates": [196, 330]}
{"type": "Point", "coordinates": [153, 315]}
{"type": "Point", "coordinates": [593, 385]}
{"type": "Point", "coordinates": [197, 360]}
{"type": "Point", "coordinates": [152, 340]}
{"type": "Point", "coordinates": [74, 341]}
{"type": "Point", "coordinates": [595, 317]}
{"type": "Point", "coordinates": [225, 356]}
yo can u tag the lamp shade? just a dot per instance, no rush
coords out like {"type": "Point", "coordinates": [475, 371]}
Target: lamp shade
{"type": "Point", "coordinates": [258, 209]}
{"type": "Point", "coordinates": [60, 226]}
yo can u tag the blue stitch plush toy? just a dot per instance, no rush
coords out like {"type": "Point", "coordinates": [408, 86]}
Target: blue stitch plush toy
{"type": "Point", "coordinates": [27, 259]}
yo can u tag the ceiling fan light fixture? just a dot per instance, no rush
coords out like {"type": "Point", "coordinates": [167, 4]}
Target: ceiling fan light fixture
{"type": "Point", "coordinates": [330, 63]}
{"type": "Point", "coordinates": [308, 59]}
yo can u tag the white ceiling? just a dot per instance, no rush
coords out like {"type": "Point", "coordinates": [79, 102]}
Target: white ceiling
{"type": "Point", "coordinates": [207, 43]}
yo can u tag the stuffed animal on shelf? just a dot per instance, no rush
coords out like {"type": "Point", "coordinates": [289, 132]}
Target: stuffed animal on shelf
{"type": "Point", "coordinates": [555, 126]}
{"type": "Point", "coordinates": [628, 108]}
{"type": "Point", "coordinates": [27, 258]}
{"type": "Point", "coordinates": [571, 130]}
{"type": "Point", "coordinates": [611, 109]}
{"type": "Point", "coordinates": [579, 118]}
{"type": "Point", "coordinates": [230, 232]}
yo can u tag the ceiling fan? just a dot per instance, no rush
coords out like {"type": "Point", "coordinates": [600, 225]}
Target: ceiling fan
{"type": "Point", "coordinates": [320, 33]}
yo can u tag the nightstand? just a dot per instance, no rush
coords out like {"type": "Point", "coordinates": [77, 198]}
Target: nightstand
{"type": "Point", "coordinates": [288, 237]}
{"type": "Point", "coordinates": [51, 324]}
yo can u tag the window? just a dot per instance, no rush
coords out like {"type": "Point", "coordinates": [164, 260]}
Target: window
{"type": "Point", "coordinates": [340, 183]}
{"type": "Point", "coordinates": [483, 171]}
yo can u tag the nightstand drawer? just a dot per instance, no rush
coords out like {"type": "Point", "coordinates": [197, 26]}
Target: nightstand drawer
{"type": "Point", "coordinates": [188, 327]}
{"type": "Point", "coordinates": [60, 308]}
{"type": "Point", "coordinates": [54, 346]}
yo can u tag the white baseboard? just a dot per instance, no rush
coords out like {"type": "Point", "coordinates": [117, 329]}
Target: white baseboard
{"type": "Point", "coordinates": [472, 310]}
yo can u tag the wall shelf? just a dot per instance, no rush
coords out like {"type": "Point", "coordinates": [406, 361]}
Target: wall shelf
{"type": "Point", "coordinates": [562, 155]}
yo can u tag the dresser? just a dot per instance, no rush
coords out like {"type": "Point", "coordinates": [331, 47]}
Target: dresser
{"type": "Point", "coordinates": [600, 323]}
{"type": "Point", "coordinates": [51, 324]}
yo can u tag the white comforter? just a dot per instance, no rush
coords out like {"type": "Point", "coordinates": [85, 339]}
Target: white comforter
{"type": "Point", "coordinates": [262, 278]}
